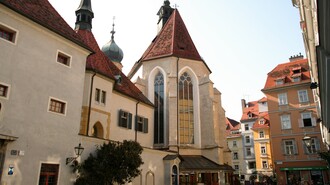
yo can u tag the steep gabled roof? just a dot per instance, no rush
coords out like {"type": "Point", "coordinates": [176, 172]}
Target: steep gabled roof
{"type": "Point", "coordinates": [232, 125]}
{"type": "Point", "coordinates": [284, 71]}
{"type": "Point", "coordinates": [253, 108]}
{"type": "Point", "coordinates": [100, 63]}
{"type": "Point", "coordinates": [43, 13]}
{"type": "Point", "coordinates": [173, 40]}
{"type": "Point", "coordinates": [265, 117]}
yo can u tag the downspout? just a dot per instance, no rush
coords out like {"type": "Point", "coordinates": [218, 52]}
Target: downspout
{"type": "Point", "coordinates": [177, 106]}
{"type": "Point", "coordinates": [90, 103]}
{"type": "Point", "coordinates": [135, 126]}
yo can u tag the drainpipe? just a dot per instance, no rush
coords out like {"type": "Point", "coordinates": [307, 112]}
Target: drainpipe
{"type": "Point", "coordinates": [135, 126]}
{"type": "Point", "coordinates": [177, 105]}
{"type": "Point", "coordinates": [90, 104]}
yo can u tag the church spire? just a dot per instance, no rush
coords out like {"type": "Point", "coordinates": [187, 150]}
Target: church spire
{"type": "Point", "coordinates": [164, 13]}
{"type": "Point", "coordinates": [84, 15]}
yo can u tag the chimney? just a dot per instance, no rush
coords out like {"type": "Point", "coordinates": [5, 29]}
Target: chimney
{"type": "Point", "coordinates": [243, 103]}
{"type": "Point", "coordinates": [296, 57]}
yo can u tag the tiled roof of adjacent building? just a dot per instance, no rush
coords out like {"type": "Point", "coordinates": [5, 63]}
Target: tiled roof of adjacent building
{"type": "Point", "coordinates": [265, 124]}
{"type": "Point", "coordinates": [201, 163]}
{"type": "Point", "coordinates": [232, 125]}
{"type": "Point", "coordinates": [100, 63]}
{"type": "Point", "coordinates": [286, 73]}
{"type": "Point", "coordinates": [251, 111]}
{"type": "Point", "coordinates": [43, 13]}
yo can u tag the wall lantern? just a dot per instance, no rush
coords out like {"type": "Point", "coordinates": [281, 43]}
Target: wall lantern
{"type": "Point", "coordinates": [307, 142]}
{"type": "Point", "coordinates": [78, 150]}
{"type": "Point", "coordinates": [313, 85]}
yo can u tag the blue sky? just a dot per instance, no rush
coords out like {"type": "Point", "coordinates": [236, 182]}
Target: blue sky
{"type": "Point", "coordinates": [240, 40]}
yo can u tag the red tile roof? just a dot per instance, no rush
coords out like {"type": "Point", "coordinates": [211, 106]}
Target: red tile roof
{"type": "Point", "coordinates": [172, 40]}
{"type": "Point", "coordinates": [232, 125]}
{"type": "Point", "coordinates": [100, 63]}
{"type": "Point", "coordinates": [257, 125]}
{"type": "Point", "coordinates": [253, 108]}
{"type": "Point", "coordinates": [43, 13]}
{"type": "Point", "coordinates": [285, 71]}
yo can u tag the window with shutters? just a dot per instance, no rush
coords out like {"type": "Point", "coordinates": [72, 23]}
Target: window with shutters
{"type": "Point", "coordinates": [125, 119]}
{"type": "Point", "coordinates": [289, 147]}
{"type": "Point", "coordinates": [141, 124]}
{"type": "Point", "coordinates": [314, 148]}
{"type": "Point", "coordinates": [307, 120]}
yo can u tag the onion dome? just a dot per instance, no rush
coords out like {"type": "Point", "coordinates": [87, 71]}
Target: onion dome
{"type": "Point", "coordinates": [112, 50]}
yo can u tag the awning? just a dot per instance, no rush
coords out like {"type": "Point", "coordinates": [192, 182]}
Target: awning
{"type": "Point", "coordinates": [201, 163]}
{"type": "Point", "coordinates": [304, 168]}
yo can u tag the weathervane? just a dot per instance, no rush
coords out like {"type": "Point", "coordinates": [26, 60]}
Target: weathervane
{"type": "Point", "coordinates": [113, 27]}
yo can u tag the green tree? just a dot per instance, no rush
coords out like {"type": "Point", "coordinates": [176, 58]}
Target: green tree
{"type": "Point", "coordinates": [112, 162]}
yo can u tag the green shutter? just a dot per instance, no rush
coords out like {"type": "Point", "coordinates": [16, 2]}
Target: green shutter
{"type": "Point", "coordinates": [145, 125]}
{"type": "Point", "coordinates": [129, 124]}
{"type": "Point", "coordinates": [119, 118]}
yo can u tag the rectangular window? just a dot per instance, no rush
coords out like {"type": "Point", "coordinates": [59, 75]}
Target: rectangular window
{"type": "Point", "coordinates": [97, 95]}
{"type": "Point", "coordinates": [314, 148]}
{"type": "Point", "coordinates": [303, 96]}
{"type": "Point", "coordinates": [236, 167]}
{"type": "Point", "coordinates": [285, 121]}
{"type": "Point", "coordinates": [125, 119]}
{"type": "Point", "coordinates": [279, 81]}
{"type": "Point", "coordinates": [103, 97]}
{"type": "Point", "coordinates": [235, 155]}
{"type": "Point", "coordinates": [290, 147]}
{"type": "Point", "coordinates": [296, 79]}
{"type": "Point", "coordinates": [263, 150]}
{"type": "Point", "coordinates": [48, 174]}
{"type": "Point", "coordinates": [247, 139]}
{"type": "Point", "coordinates": [234, 144]}
{"type": "Point", "coordinates": [4, 90]}
{"type": "Point", "coordinates": [248, 151]}
{"type": "Point", "coordinates": [141, 124]}
{"type": "Point", "coordinates": [252, 165]}
{"type": "Point", "coordinates": [57, 106]}
{"type": "Point", "coordinates": [307, 120]}
{"type": "Point", "coordinates": [63, 58]}
{"type": "Point", "coordinates": [282, 99]}
{"type": "Point", "coordinates": [246, 126]}
{"type": "Point", "coordinates": [264, 164]}
{"type": "Point", "coordinates": [7, 33]}
{"type": "Point", "coordinates": [261, 134]}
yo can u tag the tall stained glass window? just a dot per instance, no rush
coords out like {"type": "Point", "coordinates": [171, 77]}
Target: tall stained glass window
{"type": "Point", "coordinates": [186, 109]}
{"type": "Point", "coordinates": [159, 109]}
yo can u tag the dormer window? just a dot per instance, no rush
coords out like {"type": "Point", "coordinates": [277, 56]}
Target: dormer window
{"type": "Point", "coordinates": [296, 77]}
{"type": "Point", "coordinates": [279, 81]}
{"type": "Point", "coordinates": [296, 70]}
{"type": "Point", "coordinates": [262, 121]}
{"type": "Point", "coordinates": [250, 115]}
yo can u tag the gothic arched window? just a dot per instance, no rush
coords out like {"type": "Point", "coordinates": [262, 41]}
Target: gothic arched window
{"type": "Point", "coordinates": [159, 109]}
{"type": "Point", "coordinates": [186, 109]}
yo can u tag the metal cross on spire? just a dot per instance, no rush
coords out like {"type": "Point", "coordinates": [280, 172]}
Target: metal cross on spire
{"type": "Point", "coordinates": [113, 27]}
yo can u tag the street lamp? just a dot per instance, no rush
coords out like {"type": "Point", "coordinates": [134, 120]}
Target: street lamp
{"type": "Point", "coordinates": [308, 142]}
{"type": "Point", "coordinates": [78, 151]}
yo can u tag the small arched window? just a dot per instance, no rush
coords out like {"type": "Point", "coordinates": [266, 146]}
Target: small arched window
{"type": "Point", "coordinates": [97, 130]}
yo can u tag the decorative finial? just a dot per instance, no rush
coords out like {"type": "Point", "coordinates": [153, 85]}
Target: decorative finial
{"type": "Point", "coordinates": [113, 28]}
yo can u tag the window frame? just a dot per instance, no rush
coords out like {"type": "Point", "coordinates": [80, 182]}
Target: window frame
{"type": "Point", "coordinates": [248, 151]}
{"type": "Point", "coordinates": [235, 155]}
{"type": "Point", "coordinates": [303, 98]}
{"type": "Point", "coordinates": [261, 133]}
{"type": "Point", "coordinates": [310, 117]}
{"type": "Point", "coordinates": [283, 121]}
{"type": "Point", "coordinates": [246, 127]}
{"type": "Point", "coordinates": [141, 124]}
{"type": "Point", "coordinates": [315, 146]}
{"type": "Point", "coordinates": [6, 90]}
{"type": "Point", "coordinates": [290, 149]}
{"type": "Point", "coordinates": [56, 100]}
{"type": "Point", "coordinates": [282, 99]}
{"type": "Point", "coordinates": [47, 173]}
{"type": "Point", "coordinates": [234, 143]}
{"type": "Point", "coordinates": [247, 139]}
{"type": "Point", "coordinates": [264, 164]}
{"type": "Point", "coordinates": [125, 115]}
{"type": "Point", "coordinates": [103, 97]}
{"type": "Point", "coordinates": [263, 150]}
{"type": "Point", "coordinates": [66, 56]}
{"type": "Point", "coordinates": [10, 30]}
